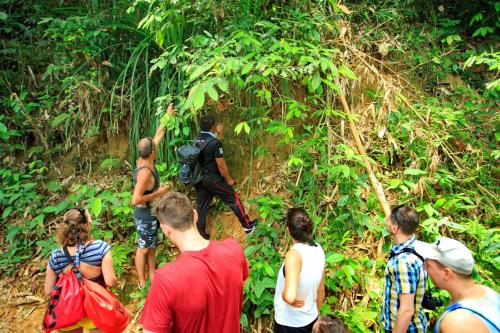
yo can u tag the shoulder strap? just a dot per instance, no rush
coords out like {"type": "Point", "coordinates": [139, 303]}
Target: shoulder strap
{"type": "Point", "coordinates": [75, 267]}
{"type": "Point", "coordinates": [143, 167]}
{"type": "Point", "coordinates": [84, 246]}
{"type": "Point", "coordinates": [407, 250]}
{"type": "Point", "coordinates": [66, 253]}
{"type": "Point", "coordinates": [206, 143]}
{"type": "Point", "coordinates": [412, 251]}
{"type": "Point", "coordinates": [457, 306]}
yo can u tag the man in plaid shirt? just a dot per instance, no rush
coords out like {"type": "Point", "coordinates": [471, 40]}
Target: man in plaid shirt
{"type": "Point", "coordinates": [405, 277]}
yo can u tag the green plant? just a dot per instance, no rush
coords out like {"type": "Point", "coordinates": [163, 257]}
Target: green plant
{"type": "Point", "coordinates": [263, 260]}
{"type": "Point", "coordinates": [21, 202]}
{"type": "Point", "coordinates": [273, 71]}
{"type": "Point", "coordinates": [492, 60]}
{"type": "Point", "coordinates": [121, 257]}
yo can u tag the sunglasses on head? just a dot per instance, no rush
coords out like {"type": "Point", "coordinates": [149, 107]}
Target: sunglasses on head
{"type": "Point", "coordinates": [395, 213]}
{"type": "Point", "coordinates": [151, 144]}
{"type": "Point", "coordinates": [82, 213]}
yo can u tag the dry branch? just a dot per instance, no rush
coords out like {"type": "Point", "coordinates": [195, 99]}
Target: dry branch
{"type": "Point", "coordinates": [377, 187]}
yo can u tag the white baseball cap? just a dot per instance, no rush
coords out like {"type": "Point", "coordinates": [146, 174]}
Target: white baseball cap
{"type": "Point", "coordinates": [448, 252]}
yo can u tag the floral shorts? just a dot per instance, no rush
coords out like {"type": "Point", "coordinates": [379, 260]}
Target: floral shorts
{"type": "Point", "coordinates": [147, 228]}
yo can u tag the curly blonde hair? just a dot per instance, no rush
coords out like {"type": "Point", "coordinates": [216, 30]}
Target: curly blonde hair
{"type": "Point", "coordinates": [73, 229]}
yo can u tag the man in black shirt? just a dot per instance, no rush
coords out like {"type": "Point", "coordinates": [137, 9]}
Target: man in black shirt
{"type": "Point", "coordinates": [216, 179]}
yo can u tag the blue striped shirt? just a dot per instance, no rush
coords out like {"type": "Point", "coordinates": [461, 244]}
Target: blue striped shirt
{"type": "Point", "coordinates": [404, 274]}
{"type": "Point", "coordinates": [91, 254]}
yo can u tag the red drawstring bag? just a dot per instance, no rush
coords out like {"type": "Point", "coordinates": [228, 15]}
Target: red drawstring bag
{"type": "Point", "coordinates": [65, 306]}
{"type": "Point", "coordinates": [104, 309]}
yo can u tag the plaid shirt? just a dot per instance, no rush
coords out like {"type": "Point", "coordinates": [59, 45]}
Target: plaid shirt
{"type": "Point", "coordinates": [404, 274]}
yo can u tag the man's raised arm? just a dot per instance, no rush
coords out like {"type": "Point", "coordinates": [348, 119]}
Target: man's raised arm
{"type": "Point", "coordinates": [160, 132]}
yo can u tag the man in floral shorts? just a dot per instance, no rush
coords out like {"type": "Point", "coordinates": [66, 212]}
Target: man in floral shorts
{"type": "Point", "coordinates": [146, 188]}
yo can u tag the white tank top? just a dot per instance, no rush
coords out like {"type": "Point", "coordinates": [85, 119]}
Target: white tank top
{"type": "Point", "coordinates": [487, 309]}
{"type": "Point", "coordinates": [313, 264]}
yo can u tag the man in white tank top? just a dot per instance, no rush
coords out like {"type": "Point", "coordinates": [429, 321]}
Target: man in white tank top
{"type": "Point", "coordinates": [475, 308]}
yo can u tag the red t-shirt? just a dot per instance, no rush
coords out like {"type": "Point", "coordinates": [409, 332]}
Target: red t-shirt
{"type": "Point", "coordinates": [200, 292]}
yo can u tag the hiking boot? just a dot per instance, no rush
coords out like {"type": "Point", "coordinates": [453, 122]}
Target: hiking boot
{"type": "Point", "coordinates": [253, 225]}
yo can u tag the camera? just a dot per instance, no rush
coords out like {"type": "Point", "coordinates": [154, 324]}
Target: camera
{"type": "Point", "coordinates": [430, 302]}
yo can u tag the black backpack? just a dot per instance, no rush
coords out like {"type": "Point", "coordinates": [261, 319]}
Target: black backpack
{"type": "Point", "coordinates": [190, 170]}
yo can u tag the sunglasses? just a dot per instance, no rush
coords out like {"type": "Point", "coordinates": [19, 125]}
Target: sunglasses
{"type": "Point", "coordinates": [151, 144]}
{"type": "Point", "coordinates": [395, 213]}
{"type": "Point", "coordinates": [82, 213]}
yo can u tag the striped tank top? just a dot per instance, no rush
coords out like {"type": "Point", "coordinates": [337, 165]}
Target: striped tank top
{"type": "Point", "coordinates": [91, 254]}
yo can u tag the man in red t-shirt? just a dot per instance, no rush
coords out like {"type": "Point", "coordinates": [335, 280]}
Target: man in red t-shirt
{"type": "Point", "coordinates": [202, 290]}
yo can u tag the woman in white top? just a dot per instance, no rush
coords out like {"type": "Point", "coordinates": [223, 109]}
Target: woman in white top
{"type": "Point", "coordinates": [300, 289]}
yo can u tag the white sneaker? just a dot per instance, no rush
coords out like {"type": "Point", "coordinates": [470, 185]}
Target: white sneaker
{"type": "Point", "coordinates": [253, 225]}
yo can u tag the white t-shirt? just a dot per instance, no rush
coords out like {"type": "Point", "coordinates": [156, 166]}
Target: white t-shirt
{"type": "Point", "coordinates": [313, 264]}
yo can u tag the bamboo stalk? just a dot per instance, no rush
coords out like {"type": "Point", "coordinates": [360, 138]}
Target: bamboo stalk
{"type": "Point", "coordinates": [377, 187]}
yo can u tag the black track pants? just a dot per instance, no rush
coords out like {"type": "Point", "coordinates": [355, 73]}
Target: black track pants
{"type": "Point", "coordinates": [212, 186]}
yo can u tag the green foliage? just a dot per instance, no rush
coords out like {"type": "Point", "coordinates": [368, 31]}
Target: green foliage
{"type": "Point", "coordinates": [81, 70]}
{"type": "Point", "coordinates": [121, 257]}
{"type": "Point", "coordinates": [264, 260]}
{"type": "Point", "coordinates": [72, 73]}
{"type": "Point", "coordinates": [21, 202]}
{"type": "Point", "coordinates": [25, 204]}
{"type": "Point", "coordinates": [492, 60]}
{"type": "Point", "coordinates": [109, 164]}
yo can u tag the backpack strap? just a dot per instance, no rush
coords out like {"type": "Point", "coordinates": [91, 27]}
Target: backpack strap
{"type": "Point", "coordinates": [75, 262]}
{"type": "Point", "coordinates": [407, 250]}
{"type": "Point", "coordinates": [68, 256]}
{"type": "Point", "coordinates": [203, 147]}
{"type": "Point", "coordinates": [205, 143]}
{"type": "Point", "coordinates": [412, 251]}
{"type": "Point", "coordinates": [457, 306]}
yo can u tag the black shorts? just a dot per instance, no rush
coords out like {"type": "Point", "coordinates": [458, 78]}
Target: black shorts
{"type": "Point", "coordinates": [286, 329]}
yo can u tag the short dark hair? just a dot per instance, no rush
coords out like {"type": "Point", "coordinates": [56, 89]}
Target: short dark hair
{"type": "Point", "coordinates": [406, 218]}
{"type": "Point", "coordinates": [145, 147]}
{"type": "Point", "coordinates": [207, 122]}
{"type": "Point", "coordinates": [299, 225]}
{"type": "Point", "coordinates": [329, 324]}
{"type": "Point", "coordinates": [174, 209]}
